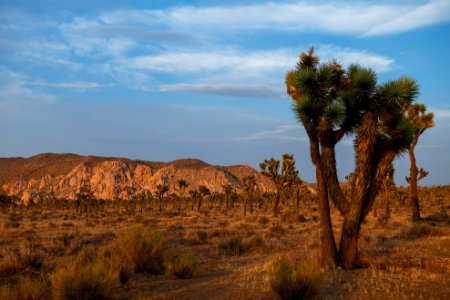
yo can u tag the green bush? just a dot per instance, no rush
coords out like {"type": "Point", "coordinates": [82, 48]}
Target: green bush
{"type": "Point", "coordinates": [146, 250]}
{"type": "Point", "coordinates": [90, 276]}
{"type": "Point", "coordinates": [183, 266]}
{"type": "Point", "coordinates": [294, 279]}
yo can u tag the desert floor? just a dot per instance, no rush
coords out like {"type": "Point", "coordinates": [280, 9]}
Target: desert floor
{"type": "Point", "coordinates": [402, 260]}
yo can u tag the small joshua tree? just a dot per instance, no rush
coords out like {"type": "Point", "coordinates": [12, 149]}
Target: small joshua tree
{"type": "Point", "coordinates": [85, 197]}
{"type": "Point", "coordinates": [249, 186]}
{"type": "Point", "coordinates": [421, 121]}
{"type": "Point", "coordinates": [282, 178]}
{"type": "Point", "coordinates": [182, 185]}
{"type": "Point", "coordinates": [161, 190]}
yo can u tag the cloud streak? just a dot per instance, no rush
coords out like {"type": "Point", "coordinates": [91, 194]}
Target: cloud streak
{"type": "Point", "coordinates": [14, 90]}
{"type": "Point", "coordinates": [284, 133]}
{"type": "Point", "coordinates": [239, 90]}
{"type": "Point", "coordinates": [360, 18]}
{"type": "Point", "coordinates": [72, 85]}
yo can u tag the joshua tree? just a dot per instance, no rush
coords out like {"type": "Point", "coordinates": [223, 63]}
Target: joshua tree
{"type": "Point", "coordinates": [331, 102]}
{"type": "Point", "coordinates": [416, 114]}
{"type": "Point", "coordinates": [249, 186]}
{"type": "Point", "coordinates": [182, 185]}
{"type": "Point", "coordinates": [85, 195]}
{"type": "Point", "coordinates": [281, 178]}
{"type": "Point", "coordinates": [194, 195]}
{"type": "Point", "coordinates": [387, 186]}
{"type": "Point", "coordinates": [228, 190]}
{"type": "Point", "coordinates": [161, 190]}
{"type": "Point", "coordinates": [202, 192]}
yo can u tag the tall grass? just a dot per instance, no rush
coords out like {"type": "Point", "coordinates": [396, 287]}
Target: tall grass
{"type": "Point", "coordinates": [147, 250]}
{"type": "Point", "coordinates": [91, 275]}
{"type": "Point", "coordinates": [26, 288]}
{"type": "Point", "coordinates": [296, 279]}
{"type": "Point", "coordinates": [183, 266]}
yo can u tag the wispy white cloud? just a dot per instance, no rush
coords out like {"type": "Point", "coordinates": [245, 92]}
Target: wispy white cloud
{"type": "Point", "coordinates": [72, 85]}
{"type": "Point", "coordinates": [240, 90]}
{"type": "Point", "coordinates": [287, 133]}
{"type": "Point", "coordinates": [14, 90]}
{"type": "Point", "coordinates": [360, 18]}
{"type": "Point", "coordinates": [348, 56]}
{"type": "Point", "coordinates": [229, 66]}
{"type": "Point", "coordinates": [429, 13]}
{"type": "Point", "coordinates": [211, 61]}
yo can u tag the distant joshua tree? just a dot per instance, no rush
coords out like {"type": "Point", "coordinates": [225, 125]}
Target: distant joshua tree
{"type": "Point", "coordinates": [203, 191]}
{"type": "Point", "coordinates": [249, 186]}
{"type": "Point", "coordinates": [85, 199]}
{"type": "Point", "coordinates": [282, 178]}
{"type": "Point", "coordinates": [161, 190]}
{"type": "Point", "coordinates": [228, 190]}
{"type": "Point", "coordinates": [421, 121]}
{"type": "Point", "coordinates": [182, 185]}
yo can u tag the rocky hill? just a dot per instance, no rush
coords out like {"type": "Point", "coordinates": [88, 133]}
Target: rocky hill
{"type": "Point", "coordinates": [61, 174]}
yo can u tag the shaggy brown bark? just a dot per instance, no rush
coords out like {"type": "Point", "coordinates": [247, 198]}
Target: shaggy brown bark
{"type": "Point", "coordinates": [413, 186]}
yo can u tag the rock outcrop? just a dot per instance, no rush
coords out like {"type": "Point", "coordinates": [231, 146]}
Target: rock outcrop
{"type": "Point", "coordinates": [61, 174]}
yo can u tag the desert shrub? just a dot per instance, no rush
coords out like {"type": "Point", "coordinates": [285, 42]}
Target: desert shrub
{"type": "Point", "coordinates": [147, 250]}
{"type": "Point", "coordinates": [202, 235]}
{"type": "Point", "coordinates": [263, 220]}
{"type": "Point", "coordinates": [125, 272]}
{"type": "Point", "coordinates": [294, 279]}
{"type": "Point", "coordinates": [254, 243]}
{"type": "Point", "coordinates": [13, 221]}
{"type": "Point", "coordinates": [420, 229]}
{"type": "Point", "coordinates": [232, 246]}
{"type": "Point", "coordinates": [26, 288]}
{"type": "Point", "coordinates": [90, 276]}
{"type": "Point", "coordinates": [289, 216]}
{"type": "Point", "coordinates": [302, 219]}
{"type": "Point", "coordinates": [277, 228]}
{"type": "Point", "coordinates": [183, 266]}
{"type": "Point", "coordinates": [19, 260]}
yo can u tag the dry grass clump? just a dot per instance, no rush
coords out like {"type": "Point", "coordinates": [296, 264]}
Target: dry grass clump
{"type": "Point", "coordinates": [183, 266]}
{"type": "Point", "coordinates": [26, 288]}
{"type": "Point", "coordinates": [277, 228]}
{"type": "Point", "coordinates": [421, 229]}
{"type": "Point", "coordinates": [91, 275]}
{"type": "Point", "coordinates": [202, 235]}
{"type": "Point", "coordinates": [232, 246]}
{"type": "Point", "coordinates": [13, 221]}
{"type": "Point", "coordinates": [263, 220]}
{"type": "Point", "coordinates": [147, 250]}
{"type": "Point", "coordinates": [17, 261]}
{"type": "Point", "coordinates": [294, 279]}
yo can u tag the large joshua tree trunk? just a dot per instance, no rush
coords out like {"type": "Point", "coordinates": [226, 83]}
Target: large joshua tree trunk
{"type": "Point", "coordinates": [365, 150]}
{"type": "Point", "coordinates": [413, 186]}
{"type": "Point", "coordinates": [329, 250]}
{"type": "Point", "coordinates": [328, 244]}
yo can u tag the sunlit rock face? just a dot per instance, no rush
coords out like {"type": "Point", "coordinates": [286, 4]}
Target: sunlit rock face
{"type": "Point", "coordinates": [60, 175]}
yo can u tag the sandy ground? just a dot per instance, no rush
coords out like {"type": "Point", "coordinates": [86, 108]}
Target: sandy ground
{"type": "Point", "coordinates": [403, 261]}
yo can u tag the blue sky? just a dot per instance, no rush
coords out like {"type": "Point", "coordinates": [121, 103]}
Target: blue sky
{"type": "Point", "coordinates": [162, 80]}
